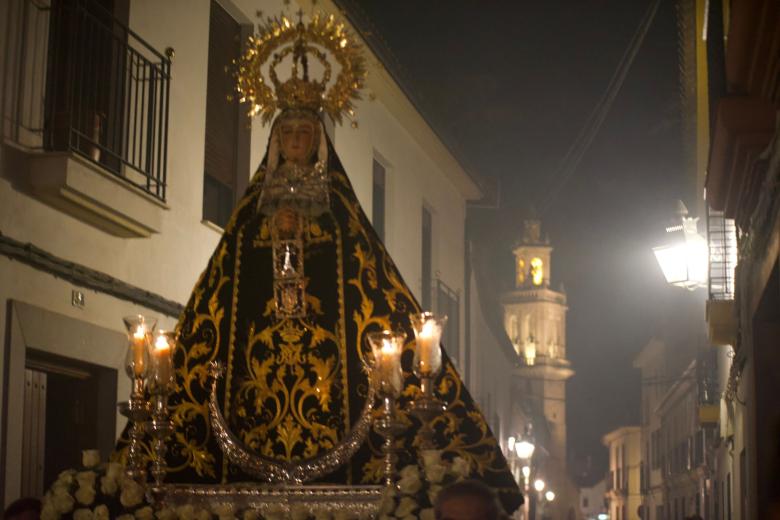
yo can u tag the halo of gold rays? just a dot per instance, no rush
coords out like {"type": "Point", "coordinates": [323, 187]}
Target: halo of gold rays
{"type": "Point", "coordinates": [266, 96]}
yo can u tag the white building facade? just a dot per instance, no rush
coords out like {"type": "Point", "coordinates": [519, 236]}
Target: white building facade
{"type": "Point", "coordinates": [107, 206]}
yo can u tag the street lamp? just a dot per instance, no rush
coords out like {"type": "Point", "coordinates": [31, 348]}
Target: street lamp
{"type": "Point", "coordinates": [526, 472]}
{"type": "Point", "coordinates": [539, 485]}
{"type": "Point", "coordinates": [684, 259]}
{"type": "Point", "coordinates": [525, 449]}
{"type": "Point", "coordinates": [550, 496]}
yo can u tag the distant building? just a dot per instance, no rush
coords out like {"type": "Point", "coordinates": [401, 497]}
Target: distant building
{"type": "Point", "coordinates": [593, 501]}
{"type": "Point", "coordinates": [535, 321]}
{"type": "Point", "coordinates": [623, 479]}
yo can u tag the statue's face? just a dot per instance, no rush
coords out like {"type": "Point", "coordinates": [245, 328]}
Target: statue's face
{"type": "Point", "coordinates": [296, 137]}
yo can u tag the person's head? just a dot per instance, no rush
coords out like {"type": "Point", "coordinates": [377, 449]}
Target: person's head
{"type": "Point", "coordinates": [23, 509]}
{"type": "Point", "coordinates": [467, 500]}
{"type": "Point", "coordinates": [298, 137]}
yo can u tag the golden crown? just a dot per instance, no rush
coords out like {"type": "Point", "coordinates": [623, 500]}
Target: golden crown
{"type": "Point", "coordinates": [279, 38]}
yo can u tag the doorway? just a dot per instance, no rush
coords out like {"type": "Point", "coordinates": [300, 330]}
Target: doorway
{"type": "Point", "coordinates": [68, 407]}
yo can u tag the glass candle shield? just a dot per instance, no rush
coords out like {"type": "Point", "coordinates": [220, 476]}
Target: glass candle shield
{"type": "Point", "coordinates": [386, 348]}
{"type": "Point", "coordinates": [428, 328]}
{"type": "Point", "coordinates": [139, 334]}
{"type": "Point", "coordinates": [161, 358]}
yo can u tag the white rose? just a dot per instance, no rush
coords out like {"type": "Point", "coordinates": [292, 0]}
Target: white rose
{"type": "Point", "coordinates": [431, 457]}
{"type": "Point", "coordinates": [132, 493]}
{"type": "Point", "coordinates": [166, 514]}
{"type": "Point", "coordinates": [144, 513]}
{"type": "Point", "coordinates": [66, 477]}
{"type": "Point", "coordinates": [86, 478]}
{"type": "Point", "coordinates": [90, 458]}
{"type": "Point", "coordinates": [83, 514]}
{"type": "Point", "coordinates": [406, 507]}
{"type": "Point", "coordinates": [63, 502]}
{"type": "Point", "coordinates": [108, 485]}
{"type": "Point", "coordinates": [115, 470]}
{"type": "Point", "coordinates": [410, 484]}
{"type": "Point", "coordinates": [85, 495]}
{"type": "Point", "coordinates": [427, 514]}
{"type": "Point", "coordinates": [250, 514]}
{"type": "Point", "coordinates": [461, 467]}
{"type": "Point", "coordinates": [185, 512]}
{"type": "Point", "coordinates": [435, 473]}
{"type": "Point", "coordinates": [101, 512]}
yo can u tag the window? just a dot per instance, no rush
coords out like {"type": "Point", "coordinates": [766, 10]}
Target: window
{"type": "Point", "coordinates": [448, 303]}
{"type": "Point", "coordinates": [537, 271]}
{"type": "Point", "coordinates": [378, 197]}
{"type": "Point", "coordinates": [427, 261]}
{"type": "Point", "coordinates": [226, 164]}
{"type": "Point", "coordinates": [520, 272]}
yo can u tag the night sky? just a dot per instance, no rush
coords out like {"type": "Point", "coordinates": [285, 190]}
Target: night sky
{"type": "Point", "coordinates": [509, 85]}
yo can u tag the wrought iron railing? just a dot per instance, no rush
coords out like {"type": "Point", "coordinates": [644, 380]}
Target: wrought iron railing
{"type": "Point", "coordinates": [81, 81]}
{"type": "Point", "coordinates": [722, 238]}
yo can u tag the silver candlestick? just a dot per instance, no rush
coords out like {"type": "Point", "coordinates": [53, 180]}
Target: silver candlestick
{"type": "Point", "coordinates": [137, 409]}
{"type": "Point", "coordinates": [160, 384]}
{"type": "Point", "coordinates": [428, 328]}
{"type": "Point", "coordinates": [389, 428]}
{"type": "Point", "coordinates": [386, 373]}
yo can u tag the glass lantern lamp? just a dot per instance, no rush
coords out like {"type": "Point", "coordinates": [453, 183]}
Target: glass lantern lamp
{"type": "Point", "coordinates": [137, 410]}
{"type": "Point", "coordinates": [428, 328]}
{"type": "Point", "coordinates": [387, 375]}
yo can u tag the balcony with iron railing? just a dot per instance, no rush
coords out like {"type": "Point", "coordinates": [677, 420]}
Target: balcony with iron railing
{"type": "Point", "coordinates": [722, 242]}
{"type": "Point", "coordinates": [86, 101]}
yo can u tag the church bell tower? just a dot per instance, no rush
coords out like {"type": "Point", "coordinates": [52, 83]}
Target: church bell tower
{"type": "Point", "coordinates": [535, 321]}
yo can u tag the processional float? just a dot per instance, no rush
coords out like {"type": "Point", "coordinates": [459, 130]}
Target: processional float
{"type": "Point", "coordinates": [302, 373]}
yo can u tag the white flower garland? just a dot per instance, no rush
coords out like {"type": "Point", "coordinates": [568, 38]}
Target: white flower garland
{"type": "Point", "coordinates": [103, 491]}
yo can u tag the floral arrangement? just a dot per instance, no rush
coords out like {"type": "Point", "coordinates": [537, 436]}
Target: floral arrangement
{"type": "Point", "coordinates": [102, 491]}
{"type": "Point", "coordinates": [96, 492]}
{"type": "Point", "coordinates": [420, 483]}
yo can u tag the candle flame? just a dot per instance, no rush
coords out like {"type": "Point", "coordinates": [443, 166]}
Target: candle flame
{"type": "Point", "coordinates": [428, 329]}
{"type": "Point", "coordinates": [161, 343]}
{"type": "Point", "coordinates": [140, 332]}
{"type": "Point", "coordinates": [388, 347]}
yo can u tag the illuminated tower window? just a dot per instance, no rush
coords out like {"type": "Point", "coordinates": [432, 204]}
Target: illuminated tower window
{"type": "Point", "coordinates": [537, 271]}
{"type": "Point", "coordinates": [520, 272]}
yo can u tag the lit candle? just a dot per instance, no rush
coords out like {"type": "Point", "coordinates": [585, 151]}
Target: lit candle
{"type": "Point", "coordinates": [162, 359]}
{"type": "Point", "coordinates": [427, 343]}
{"type": "Point", "coordinates": [139, 345]}
{"type": "Point", "coordinates": [389, 364]}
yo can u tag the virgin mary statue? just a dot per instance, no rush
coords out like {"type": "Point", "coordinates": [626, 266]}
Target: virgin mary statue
{"type": "Point", "coordinates": [297, 281]}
